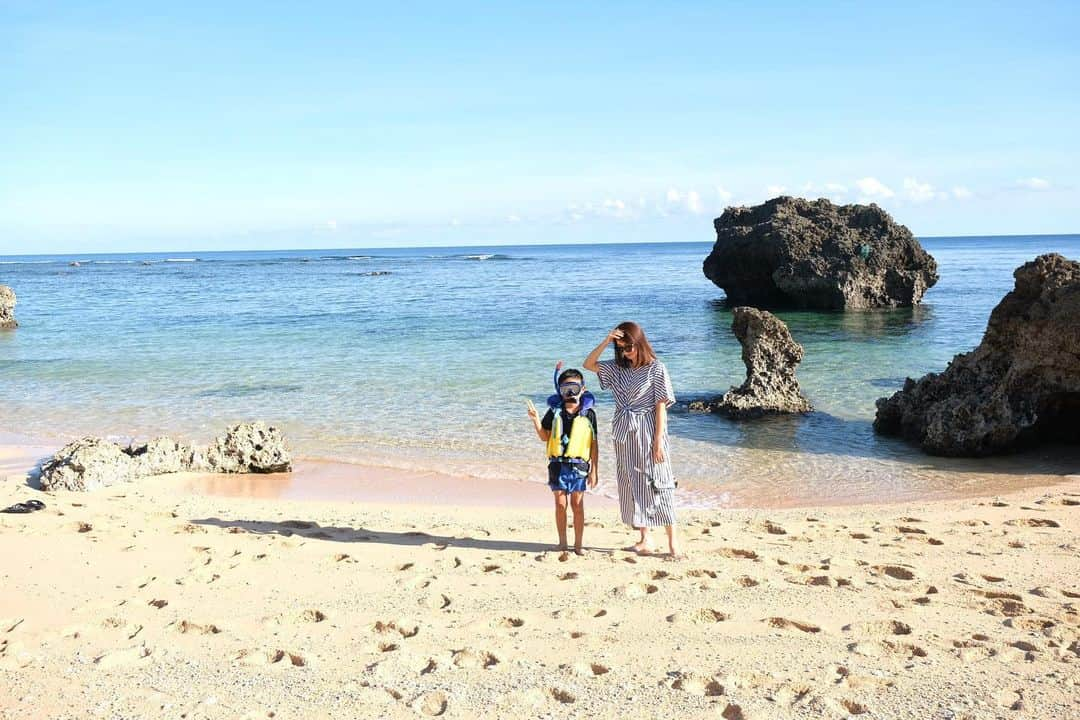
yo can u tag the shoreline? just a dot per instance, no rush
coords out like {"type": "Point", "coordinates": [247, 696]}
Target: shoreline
{"type": "Point", "coordinates": [327, 479]}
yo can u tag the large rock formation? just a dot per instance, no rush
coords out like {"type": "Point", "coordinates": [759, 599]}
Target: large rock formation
{"type": "Point", "coordinates": [91, 463]}
{"type": "Point", "coordinates": [791, 252]}
{"type": "Point", "coordinates": [246, 448]}
{"type": "Point", "coordinates": [87, 464]}
{"type": "Point", "coordinates": [1020, 386]}
{"type": "Point", "coordinates": [7, 308]}
{"type": "Point", "coordinates": [771, 356]}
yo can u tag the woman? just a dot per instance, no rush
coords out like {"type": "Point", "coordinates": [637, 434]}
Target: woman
{"type": "Point", "coordinates": [642, 390]}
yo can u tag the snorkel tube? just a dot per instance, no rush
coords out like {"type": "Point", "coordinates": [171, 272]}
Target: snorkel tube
{"type": "Point", "coordinates": [555, 401]}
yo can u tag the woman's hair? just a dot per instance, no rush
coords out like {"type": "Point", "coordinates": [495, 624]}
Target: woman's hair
{"type": "Point", "coordinates": [632, 333]}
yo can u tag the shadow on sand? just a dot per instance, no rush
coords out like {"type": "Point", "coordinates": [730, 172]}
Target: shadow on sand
{"type": "Point", "coordinates": [314, 530]}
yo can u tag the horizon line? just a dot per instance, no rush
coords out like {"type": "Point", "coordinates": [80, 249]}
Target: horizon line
{"type": "Point", "coordinates": [491, 245]}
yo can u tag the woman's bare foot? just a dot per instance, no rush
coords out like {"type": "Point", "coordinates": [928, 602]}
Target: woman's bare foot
{"type": "Point", "coordinates": [579, 550]}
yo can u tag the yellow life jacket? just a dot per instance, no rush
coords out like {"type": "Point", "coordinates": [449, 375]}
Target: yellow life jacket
{"type": "Point", "coordinates": [581, 437]}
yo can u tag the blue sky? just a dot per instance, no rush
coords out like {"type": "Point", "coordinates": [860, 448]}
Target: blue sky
{"type": "Point", "coordinates": [247, 125]}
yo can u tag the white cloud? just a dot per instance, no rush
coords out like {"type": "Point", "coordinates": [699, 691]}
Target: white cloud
{"type": "Point", "coordinates": [774, 190]}
{"type": "Point", "coordinates": [331, 225]}
{"type": "Point", "coordinates": [871, 189]}
{"type": "Point", "coordinates": [513, 219]}
{"type": "Point", "coordinates": [962, 193]}
{"type": "Point", "coordinates": [1033, 183]}
{"type": "Point", "coordinates": [724, 194]}
{"type": "Point", "coordinates": [835, 188]}
{"type": "Point", "coordinates": [918, 192]}
{"type": "Point", "coordinates": [674, 197]}
{"type": "Point", "coordinates": [693, 202]}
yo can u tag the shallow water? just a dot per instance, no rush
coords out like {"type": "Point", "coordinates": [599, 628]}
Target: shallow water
{"type": "Point", "coordinates": [426, 368]}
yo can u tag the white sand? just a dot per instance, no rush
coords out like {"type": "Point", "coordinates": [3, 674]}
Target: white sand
{"type": "Point", "coordinates": [143, 601]}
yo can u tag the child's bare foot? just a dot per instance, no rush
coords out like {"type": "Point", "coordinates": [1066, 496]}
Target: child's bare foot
{"type": "Point", "coordinates": [644, 547]}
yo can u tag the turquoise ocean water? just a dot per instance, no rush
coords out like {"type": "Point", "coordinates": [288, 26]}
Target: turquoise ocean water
{"type": "Point", "coordinates": [427, 367]}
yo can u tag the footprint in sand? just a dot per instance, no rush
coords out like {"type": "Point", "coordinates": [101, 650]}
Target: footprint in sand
{"type": "Point", "coordinates": [562, 695]}
{"type": "Point", "coordinates": [511, 622]}
{"type": "Point", "coordinates": [850, 707]}
{"type": "Point", "coordinates": [186, 627]}
{"type": "Point", "coordinates": [698, 684]}
{"type": "Point", "coordinates": [1033, 522]}
{"type": "Point", "coordinates": [747, 581]}
{"type": "Point", "coordinates": [972, 650]}
{"type": "Point", "coordinates": [819, 581]}
{"type": "Point", "coordinates": [311, 616]}
{"type": "Point", "coordinates": [126, 656]}
{"type": "Point", "coordinates": [702, 573]}
{"type": "Point", "coordinates": [792, 695]}
{"type": "Point", "coordinates": [704, 616]}
{"type": "Point", "coordinates": [786, 624]}
{"type": "Point", "coordinates": [590, 669]}
{"type": "Point", "coordinates": [569, 576]}
{"type": "Point", "coordinates": [879, 628]}
{"type": "Point", "coordinates": [768, 526]}
{"type": "Point", "coordinates": [434, 601]}
{"type": "Point", "coordinates": [158, 603]}
{"type": "Point", "coordinates": [1035, 625]}
{"type": "Point", "coordinates": [470, 658]}
{"type": "Point", "coordinates": [405, 629]}
{"type": "Point", "coordinates": [432, 704]}
{"type": "Point", "coordinates": [896, 572]}
{"type": "Point", "coordinates": [887, 648]}
{"type": "Point", "coordinates": [270, 657]}
{"type": "Point", "coordinates": [737, 554]}
{"type": "Point", "coordinates": [633, 591]}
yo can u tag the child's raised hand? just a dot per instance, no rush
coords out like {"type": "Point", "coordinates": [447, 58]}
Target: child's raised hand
{"type": "Point", "coordinates": [531, 409]}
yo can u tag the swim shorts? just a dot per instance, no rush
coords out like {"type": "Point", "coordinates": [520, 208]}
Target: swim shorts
{"type": "Point", "coordinates": [566, 478]}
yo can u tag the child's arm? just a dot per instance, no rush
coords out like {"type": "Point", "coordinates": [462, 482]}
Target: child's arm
{"type": "Point", "coordinates": [535, 417]}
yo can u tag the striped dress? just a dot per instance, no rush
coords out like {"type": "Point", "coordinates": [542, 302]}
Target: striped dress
{"type": "Point", "coordinates": [646, 489]}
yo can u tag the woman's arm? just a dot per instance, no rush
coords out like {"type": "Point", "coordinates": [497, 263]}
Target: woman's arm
{"type": "Point", "coordinates": [594, 357]}
{"type": "Point", "coordinates": [594, 462]}
{"type": "Point", "coordinates": [659, 431]}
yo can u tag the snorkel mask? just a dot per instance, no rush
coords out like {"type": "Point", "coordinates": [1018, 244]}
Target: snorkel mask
{"type": "Point", "coordinates": [570, 390]}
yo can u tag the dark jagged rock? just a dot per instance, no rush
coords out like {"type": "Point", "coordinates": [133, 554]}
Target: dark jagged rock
{"type": "Point", "coordinates": [1019, 387]}
{"type": "Point", "coordinates": [7, 308]}
{"type": "Point", "coordinates": [771, 356]}
{"type": "Point", "coordinates": [791, 252]}
{"type": "Point", "coordinates": [91, 463]}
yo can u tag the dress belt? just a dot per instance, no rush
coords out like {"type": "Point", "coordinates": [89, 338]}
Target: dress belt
{"type": "Point", "coordinates": [627, 420]}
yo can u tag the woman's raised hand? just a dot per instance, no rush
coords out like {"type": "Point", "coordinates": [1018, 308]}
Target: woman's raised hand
{"type": "Point", "coordinates": [615, 334]}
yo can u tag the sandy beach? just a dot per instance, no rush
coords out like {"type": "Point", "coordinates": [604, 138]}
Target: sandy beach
{"type": "Point", "coordinates": [147, 600]}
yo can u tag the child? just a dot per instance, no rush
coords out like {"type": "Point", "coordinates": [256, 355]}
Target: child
{"type": "Point", "coordinates": [569, 429]}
